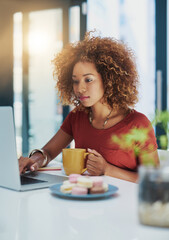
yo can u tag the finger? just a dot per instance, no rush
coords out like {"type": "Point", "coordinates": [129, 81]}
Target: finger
{"type": "Point", "coordinates": [24, 170]}
{"type": "Point", "coordinates": [92, 166]}
{"type": "Point", "coordinates": [94, 152]}
{"type": "Point", "coordinates": [92, 171]}
{"type": "Point", "coordinates": [93, 158]}
{"type": "Point", "coordinates": [91, 163]}
{"type": "Point", "coordinates": [36, 165]}
{"type": "Point", "coordinates": [24, 162]}
{"type": "Point", "coordinates": [22, 165]}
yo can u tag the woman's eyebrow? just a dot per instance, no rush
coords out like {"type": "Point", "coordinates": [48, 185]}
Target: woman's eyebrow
{"type": "Point", "coordinates": [86, 74]}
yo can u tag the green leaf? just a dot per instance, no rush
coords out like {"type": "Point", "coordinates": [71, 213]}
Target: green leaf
{"type": "Point", "coordinates": [163, 141]}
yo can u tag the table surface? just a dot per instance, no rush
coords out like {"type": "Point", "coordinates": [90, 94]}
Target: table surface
{"type": "Point", "coordinates": [38, 215]}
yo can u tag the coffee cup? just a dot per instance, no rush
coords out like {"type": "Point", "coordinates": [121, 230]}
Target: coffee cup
{"type": "Point", "coordinates": [74, 160]}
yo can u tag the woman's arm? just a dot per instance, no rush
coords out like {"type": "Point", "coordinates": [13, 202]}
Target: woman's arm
{"type": "Point", "coordinates": [151, 158]}
{"type": "Point", "coordinates": [131, 176]}
{"type": "Point", "coordinates": [60, 140]}
{"type": "Point", "coordinates": [120, 173]}
{"type": "Point", "coordinates": [97, 165]}
{"type": "Point", "coordinates": [51, 149]}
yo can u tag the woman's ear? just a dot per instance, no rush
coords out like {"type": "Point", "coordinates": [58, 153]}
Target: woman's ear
{"type": "Point", "coordinates": [102, 100]}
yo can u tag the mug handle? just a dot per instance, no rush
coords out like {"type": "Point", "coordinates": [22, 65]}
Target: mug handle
{"type": "Point", "coordinates": [84, 170]}
{"type": "Point", "coordinates": [85, 155]}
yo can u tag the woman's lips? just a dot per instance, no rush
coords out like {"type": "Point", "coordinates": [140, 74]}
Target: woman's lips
{"type": "Point", "coordinates": [83, 98]}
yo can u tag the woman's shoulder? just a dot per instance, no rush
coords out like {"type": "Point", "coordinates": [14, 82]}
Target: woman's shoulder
{"type": "Point", "coordinates": [136, 114]}
{"type": "Point", "coordinates": [75, 113]}
{"type": "Point", "coordinates": [138, 118]}
{"type": "Point", "coordinates": [74, 117]}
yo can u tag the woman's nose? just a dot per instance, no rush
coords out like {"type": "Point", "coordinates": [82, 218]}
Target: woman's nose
{"type": "Point", "coordinates": [82, 88]}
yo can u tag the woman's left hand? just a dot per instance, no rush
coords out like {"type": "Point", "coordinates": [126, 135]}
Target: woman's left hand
{"type": "Point", "coordinates": [96, 164]}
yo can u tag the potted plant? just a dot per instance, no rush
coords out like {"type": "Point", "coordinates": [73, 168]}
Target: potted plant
{"type": "Point", "coordinates": [153, 186]}
{"type": "Point", "coordinates": [161, 121]}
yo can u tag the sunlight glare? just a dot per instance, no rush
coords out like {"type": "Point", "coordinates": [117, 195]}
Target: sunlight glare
{"type": "Point", "coordinates": [38, 42]}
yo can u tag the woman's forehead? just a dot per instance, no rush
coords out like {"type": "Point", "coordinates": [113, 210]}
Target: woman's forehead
{"type": "Point", "coordinates": [84, 68]}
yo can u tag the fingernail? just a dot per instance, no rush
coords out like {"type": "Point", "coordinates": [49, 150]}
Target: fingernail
{"type": "Point", "coordinates": [32, 168]}
{"type": "Point", "coordinates": [89, 149]}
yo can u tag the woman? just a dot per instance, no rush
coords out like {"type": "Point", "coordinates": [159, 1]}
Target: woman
{"type": "Point", "coordinates": [99, 77]}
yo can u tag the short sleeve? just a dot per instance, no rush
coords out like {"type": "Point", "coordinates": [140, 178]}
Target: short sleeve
{"type": "Point", "coordinates": [150, 144]}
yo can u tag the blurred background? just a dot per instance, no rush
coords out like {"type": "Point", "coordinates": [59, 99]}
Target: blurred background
{"type": "Point", "coordinates": [33, 31]}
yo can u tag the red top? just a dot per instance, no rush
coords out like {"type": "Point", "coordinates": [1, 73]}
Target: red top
{"type": "Point", "coordinates": [86, 136]}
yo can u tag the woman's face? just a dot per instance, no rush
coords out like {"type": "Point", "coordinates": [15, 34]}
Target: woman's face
{"type": "Point", "coordinates": [87, 83]}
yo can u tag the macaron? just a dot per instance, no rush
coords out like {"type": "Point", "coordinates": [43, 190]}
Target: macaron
{"type": "Point", "coordinates": [105, 186]}
{"type": "Point", "coordinates": [66, 182]}
{"type": "Point", "coordinates": [73, 177]}
{"type": "Point", "coordinates": [67, 188]}
{"type": "Point", "coordinates": [97, 190]}
{"type": "Point", "coordinates": [97, 181]}
{"type": "Point", "coordinates": [77, 190]}
{"type": "Point", "coordinates": [84, 182]}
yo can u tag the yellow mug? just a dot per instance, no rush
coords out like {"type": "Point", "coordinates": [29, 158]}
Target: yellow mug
{"type": "Point", "coordinates": [74, 160]}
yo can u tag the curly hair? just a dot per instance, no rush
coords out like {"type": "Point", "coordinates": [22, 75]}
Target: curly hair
{"type": "Point", "coordinates": [113, 60]}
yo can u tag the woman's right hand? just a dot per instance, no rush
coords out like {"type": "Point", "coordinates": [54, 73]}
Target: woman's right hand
{"type": "Point", "coordinates": [31, 164]}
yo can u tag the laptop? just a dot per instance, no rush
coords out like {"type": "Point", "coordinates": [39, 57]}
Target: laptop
{"type": "Point", "coordinates": [9, 167]}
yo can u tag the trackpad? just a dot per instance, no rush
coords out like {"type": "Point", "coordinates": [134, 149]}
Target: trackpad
{"type": "Point", "coordinates": [27, 180]}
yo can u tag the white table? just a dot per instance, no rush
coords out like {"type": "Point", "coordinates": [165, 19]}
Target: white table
{"type": "Point", "coordinates": [38, 215]}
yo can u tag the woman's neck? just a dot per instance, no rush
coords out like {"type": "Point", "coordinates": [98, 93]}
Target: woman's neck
{"type": "Point", "coordinates": [100, 111]}
{"type": "Point", "coordinates": [104, 117]}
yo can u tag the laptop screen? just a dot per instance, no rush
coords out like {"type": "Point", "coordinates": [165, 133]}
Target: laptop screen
{"type": "Point", "coordinates": [9, 170]}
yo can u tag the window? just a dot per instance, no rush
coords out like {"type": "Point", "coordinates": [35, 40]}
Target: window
{"type": "Point", "coordinates": [132, 21]}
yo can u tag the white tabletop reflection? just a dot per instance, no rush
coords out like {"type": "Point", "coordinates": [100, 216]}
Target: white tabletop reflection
{"type": "Point", "coordinates": [39, 215]}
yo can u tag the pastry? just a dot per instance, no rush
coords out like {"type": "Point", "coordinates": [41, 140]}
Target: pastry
{"type": "Point", "coordinates": [67, 188]}
{"type": "Point", "coordinates": [97, 181]}
{"type": "Point", "coordinates": [66, 182]}
{"type": "Point", "coordinates": [97, 190]}
{"type": "Point", "coordinates": [105, 186]}
{"type": "Point", "coordinates": [82, 185]}
{"type": "Point", "coordinates": [73, 178]}
{"type": "Point", "coordinates": [79, 190]}
{"type": "Point", "coordinates": [85, 182]}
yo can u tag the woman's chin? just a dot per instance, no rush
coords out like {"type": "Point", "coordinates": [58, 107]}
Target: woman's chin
{"type": "Point", "coordinates": [85, 104]}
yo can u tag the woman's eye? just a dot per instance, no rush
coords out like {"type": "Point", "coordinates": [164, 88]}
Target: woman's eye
{"type": "Point", "coordinates": [75, 82]}
{"type": "Point", "coordinates": [88, 79]}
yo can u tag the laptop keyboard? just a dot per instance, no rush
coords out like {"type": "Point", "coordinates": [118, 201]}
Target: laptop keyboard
{"type": "Point", "coordinates": [27, 180]}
